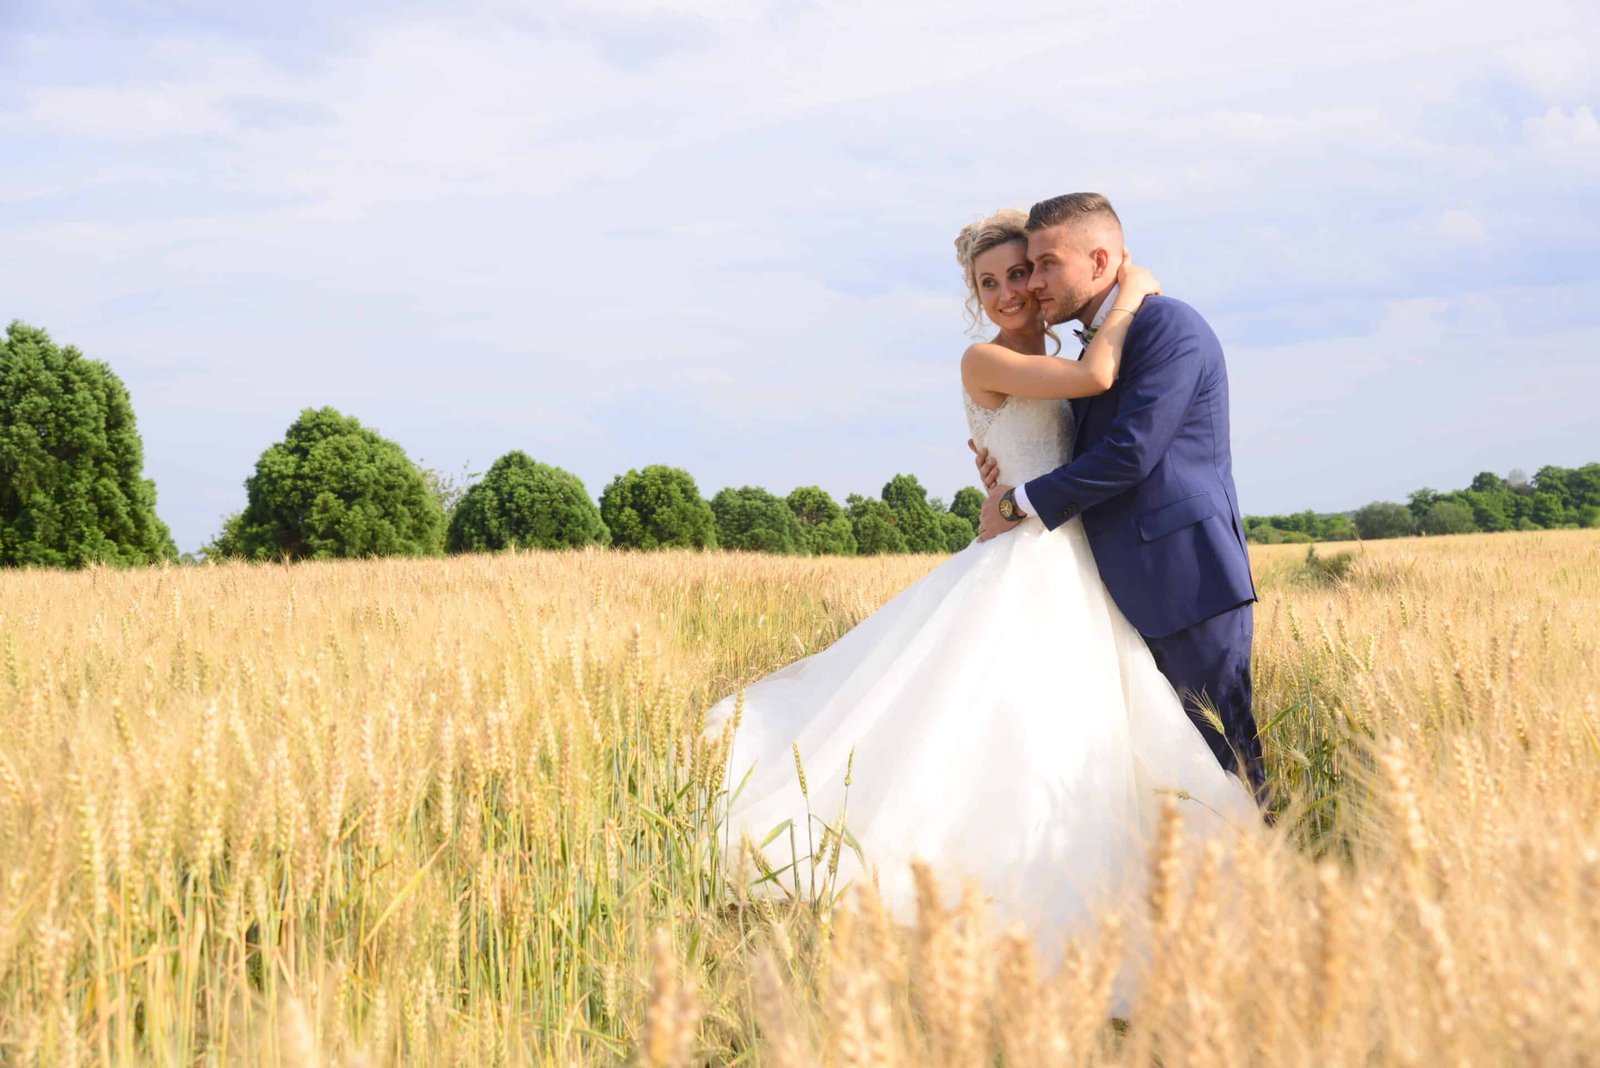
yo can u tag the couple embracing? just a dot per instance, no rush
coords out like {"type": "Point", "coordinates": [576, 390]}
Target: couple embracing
{"type": "Point", "coordinates": [1016, 716]}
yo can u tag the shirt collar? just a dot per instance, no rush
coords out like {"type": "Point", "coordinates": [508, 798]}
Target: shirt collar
{"type": "Point", "coordinates": [1086, 333]}
{"type": "Point", "coordinates": [1105, 307]}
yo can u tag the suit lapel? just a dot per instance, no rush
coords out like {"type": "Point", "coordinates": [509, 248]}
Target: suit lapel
{"type": "Point", "coordinates": [1080, 419]}
{"type": "Point", "coordinates": [1080, 415]}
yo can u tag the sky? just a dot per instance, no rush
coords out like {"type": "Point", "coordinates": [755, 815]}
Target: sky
{"type": "Point", "coordinates": [720, 235]}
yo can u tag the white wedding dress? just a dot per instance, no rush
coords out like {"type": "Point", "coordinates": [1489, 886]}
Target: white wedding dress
{"type": "Point", "coordinates": [1008, 725]}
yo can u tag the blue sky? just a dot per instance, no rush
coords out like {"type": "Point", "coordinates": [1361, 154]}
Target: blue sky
{"type": "Point", "coordinates": [719, 235]}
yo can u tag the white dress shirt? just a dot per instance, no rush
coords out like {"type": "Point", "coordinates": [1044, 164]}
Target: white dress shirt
{"type": "Point", "coordinates": [1020, 493]}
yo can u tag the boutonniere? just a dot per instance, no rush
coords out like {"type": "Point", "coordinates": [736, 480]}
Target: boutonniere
{"type": "Point", "coordinates": [1087, 334]}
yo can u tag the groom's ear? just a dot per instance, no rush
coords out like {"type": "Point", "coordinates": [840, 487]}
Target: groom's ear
{"type": "Point", "coordinates": [1102, 263]}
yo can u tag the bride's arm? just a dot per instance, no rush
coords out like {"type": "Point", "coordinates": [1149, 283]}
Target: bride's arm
{"type": "Point", "coordinates": [997, 369]}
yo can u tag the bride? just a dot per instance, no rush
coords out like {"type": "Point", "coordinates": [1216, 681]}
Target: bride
{"type": "Point", "coordinates": [1025, 747]}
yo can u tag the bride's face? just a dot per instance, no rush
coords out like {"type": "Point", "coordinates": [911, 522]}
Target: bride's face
{"type": "Point", "coordinates": [1002, 277]}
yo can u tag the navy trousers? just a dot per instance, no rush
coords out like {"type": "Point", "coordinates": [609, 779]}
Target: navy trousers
{"type": "Point", "coordinates": [1210, 663]}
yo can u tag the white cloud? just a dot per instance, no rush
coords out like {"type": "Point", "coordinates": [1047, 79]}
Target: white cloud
{"type": "Point", "coordinates": [1429, 391]}
{"type": "Point", "coordinates": [1557, 60]}
{"type": "Point", "coordinates": [1569, 138]}
{"type": "Point", "coordinates": [719, 235]}
{"type": "Point", "coordinates": [150, 111]}
{"type": "Point", "coordinates": [1459, 225]}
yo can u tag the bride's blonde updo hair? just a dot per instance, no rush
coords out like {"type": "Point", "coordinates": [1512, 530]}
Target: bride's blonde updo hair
{"type": "Point", "coordinates": [976, 238]}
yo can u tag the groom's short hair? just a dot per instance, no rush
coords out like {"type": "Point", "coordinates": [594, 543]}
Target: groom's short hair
{"type": "Point", "coordinates": [1070, 208]}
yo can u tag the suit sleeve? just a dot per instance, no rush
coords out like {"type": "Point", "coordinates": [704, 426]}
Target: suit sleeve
{"type": "Point", "coordinates": [1156, 394]}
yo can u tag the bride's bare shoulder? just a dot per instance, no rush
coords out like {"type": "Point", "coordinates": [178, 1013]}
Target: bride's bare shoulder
{"type": "Point", "coordinates": [974, 363]}
{"type": "Point", "coordinates": [983, 355]}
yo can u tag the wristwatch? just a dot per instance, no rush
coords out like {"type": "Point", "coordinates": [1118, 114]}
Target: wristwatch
{"type": "Point", "coordinates": [1008, 507]}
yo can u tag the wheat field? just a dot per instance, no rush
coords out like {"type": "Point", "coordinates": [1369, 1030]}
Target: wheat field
{"type": "Point", "coordinates": [459, 812]}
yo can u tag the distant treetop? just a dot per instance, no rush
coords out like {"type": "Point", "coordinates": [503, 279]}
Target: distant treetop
{"type": "Point", "coordinates": [522, 503]}
{"type": "Point", "coordinates": [72, 485]}
{"type": "Point", "coordinates": [657, 507]}
{"type": "Point", "coordinates": [752, 519]}
{"type": "Point", "coordinates": [330, 489]}
{"type": "Point", "coordinates": [1556, 497]}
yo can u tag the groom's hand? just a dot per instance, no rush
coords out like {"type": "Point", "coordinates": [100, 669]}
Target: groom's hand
{"type": "Point", "coordinates": [990, 523]}
{"type": "Point", "coordinates": [988, 469]}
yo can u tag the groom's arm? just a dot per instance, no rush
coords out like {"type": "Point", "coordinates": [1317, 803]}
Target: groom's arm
{"type": "Point", "coordinates": [1157, 389]}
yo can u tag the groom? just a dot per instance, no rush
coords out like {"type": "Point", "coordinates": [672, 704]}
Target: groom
{"type": "Point", "coordinates": [1152, 477]}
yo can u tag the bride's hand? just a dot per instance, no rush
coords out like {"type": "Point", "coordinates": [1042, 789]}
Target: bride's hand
{"type": "Point", "coordinates": [1134, 283]}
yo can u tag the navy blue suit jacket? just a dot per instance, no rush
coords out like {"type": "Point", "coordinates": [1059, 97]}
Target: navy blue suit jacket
{"type": "Point", "coordinates": [1152, 476]}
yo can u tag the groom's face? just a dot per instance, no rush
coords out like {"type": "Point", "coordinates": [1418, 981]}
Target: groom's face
{"type": "Point", "coordinates": [1066, 272]}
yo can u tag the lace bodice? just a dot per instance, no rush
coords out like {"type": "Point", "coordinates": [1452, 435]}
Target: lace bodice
{"type": "Point", "coordinates": [1027, 437]}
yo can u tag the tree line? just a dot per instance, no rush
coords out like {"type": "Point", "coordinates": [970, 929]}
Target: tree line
{"type": "Point", "coordinates": [72, 492]}
{"type": "Point", "coordinates": [1556, 498]}
{"type": "Point", "coordinates": [333, 488]}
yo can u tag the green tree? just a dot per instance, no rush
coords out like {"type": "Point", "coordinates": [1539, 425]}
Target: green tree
{"type": "Point", "coordinates": [1301, 527]}
{"type": "Point", "coordinates": [958, 533]}
{"type": "Point", "coordinates": [226, 544]}
{"type": "Point", "coordinates": [874, 525]}
{"type": "Point", "coordinates": [1584, 485]}
{"type": "Point", "coordinates": [968, 504]}
{"type": "Point", "coordinates": [1548, 511]}
{"type": "Point", "coordinates": [753, 519]}
{"type": "Point", "coordinates": [447, 489]}
{"type": "Point", "coordinates": [914, 515]}
{"type": "Point", "coordinates": [1553, 480]}
{"type": "Point", "coordinates": [521, 503]}
{"type": "Point", "coordinates": [1338, 527]}
{"type": "Point", "coordinates": [657, 507]}
{"type": "Point", "coordinates": [1489, 482]}
{"type": "Point", "coordinates": [1447, 517]}
{"type": "Point", "coordinates": [1384, 519]}
{"type": "Point", "coordinates": [1491, 509]}
{"type": "Point", "coordinates": [1589, 516]}
{"type": "Point", "coordinates": [1421, 500]}
{"type": "Point", "coordinates": [331, 489]}
{"type": "Point", "coordinates": [72, 485]}
{"type": "Point", "coordinates": [1306, 522]}
{"type": "Point", "coordinates": [1554, 497]}
{"type": "Point", "coordinates": [826, 527]}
